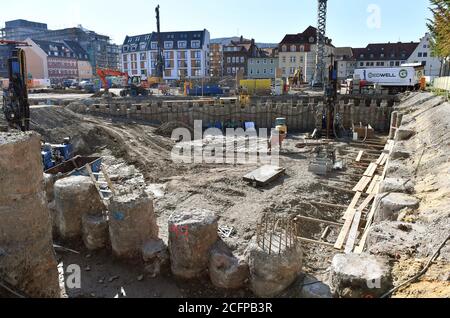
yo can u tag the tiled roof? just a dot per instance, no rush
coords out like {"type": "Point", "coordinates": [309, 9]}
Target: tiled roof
{"type": "Point", "coordinates": [385, 51]}
{"type": "Point", "coordinates": [55, 49]}
{"type": "Point", "coordinates": [307, 36]}
{"type": "Point", "coordinates": [76, 48]}
{"type": "Point", "coordinates": [143, 42]}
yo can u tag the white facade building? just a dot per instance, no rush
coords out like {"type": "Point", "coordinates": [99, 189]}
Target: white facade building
{"type": "Point", "coordinates": [424, 55]}
{"type": "Point", "coordinates": [186, 54]}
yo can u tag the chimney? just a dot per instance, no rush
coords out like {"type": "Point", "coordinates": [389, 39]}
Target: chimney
{"type": "Point", "coordinates": [242, 39]}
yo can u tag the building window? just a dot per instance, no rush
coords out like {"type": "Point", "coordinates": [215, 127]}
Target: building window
{"type": "Point", "coordinates": [425, 54]}
{"type": "Point", "coordinates": [420, 54]}
{"type": "Point", "coordinates": [284, 48]}
{"type": "Point", "coordinates": [154, 45]}
{"type": "Point", "coordinates": [133, 47]}
{"type": "Point", "coordinates": [397, 63]}
{"type": "Point", "coordinates": [293, 48]}
{"type": "Point", "coordinates": [302, 48]}
{"type": "Point", "coordinates": [168, 45]}
{"type": "Point", "coordinates": [143, 56]}
{"type": "Point", "coordinates": [242, 59]}
{"type": "Point", "coordinates": [182, 44]}
{"type": "Point", "coordinates": [392, 64]}
{"type": "Point", "coordinates": [195, 44]}
{"type": "Point", "coordinates": [284, 59]}
{"type": "Point", "coordinates": [229, 70]}
{"type": "Point", "coordinates": [228, 60]}
{"type": "Point", "coordinates": [142, 46]}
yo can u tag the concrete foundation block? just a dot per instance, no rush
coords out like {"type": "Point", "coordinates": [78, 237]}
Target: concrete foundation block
{"type": "Point", "coordinates": [132, 223]}
{"type": "Point", "coordinates": [95, 232]}
{"type": "Point", "coordinates": [156, 257]}
{"type": "Point", "coordinates": [404, 134]}
{"type": "Point", "coordinates": [360, 276]}
{"type": "Point", "coordinates": [192, 235]}
{"type": "Point", "coordinates": [271, 274]}
{"type": "Point", "coordinates": [27, 259]}
{"type": "Point", "coordinates": [226, 270]}
{"type": "Point", "coordinates": [74, 197]}
{"type": "Point", "coordinates": [312, 288]}
{"type": "Point", "coordinates": [397, 185]}
{"type": "Point", "coordinates": [390, 205]}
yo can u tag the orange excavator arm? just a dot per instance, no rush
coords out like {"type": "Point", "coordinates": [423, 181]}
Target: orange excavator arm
{"type": "Point", "coordinates": [103, 73]}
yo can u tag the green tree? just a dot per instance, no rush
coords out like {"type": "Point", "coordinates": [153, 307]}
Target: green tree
{"type": "Point", "coordinates": [439, 27]}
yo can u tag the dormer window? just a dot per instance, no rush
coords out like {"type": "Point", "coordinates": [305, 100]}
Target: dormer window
{"type": "Point", "coordinates": [168, 45]}
{"type": "Point", "coordinates": [142, 46]}
{"type": "Point", "coordinates": [154, 45]}
{"type": "Point", "coordinates": [293, 48]}
{"type": "Point", "coordinates": [284, 48]}
{"type": "Point", "coordinates": [195, 44]}
{"type": "Point", "coordinates": [182, 44]}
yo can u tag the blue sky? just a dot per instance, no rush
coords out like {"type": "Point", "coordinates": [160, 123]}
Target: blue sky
{"type": "Point", "coordinates": [264, 20]}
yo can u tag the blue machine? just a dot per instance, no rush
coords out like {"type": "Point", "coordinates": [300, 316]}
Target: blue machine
{"type": "Point", "coordinates": [53, 155]}
{"type": "Point", "coordinates": [208, 90]}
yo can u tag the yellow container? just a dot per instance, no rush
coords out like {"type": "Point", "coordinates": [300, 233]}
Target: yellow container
{"type": "Point", "coordinates": [256, 86]}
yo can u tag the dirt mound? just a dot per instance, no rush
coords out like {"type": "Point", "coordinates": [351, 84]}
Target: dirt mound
{"type": "Point", "coordinates": [167, 128]}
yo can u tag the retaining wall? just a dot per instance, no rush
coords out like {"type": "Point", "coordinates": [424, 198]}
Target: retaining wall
{"type": "Point", "coordinates": [299, 112]}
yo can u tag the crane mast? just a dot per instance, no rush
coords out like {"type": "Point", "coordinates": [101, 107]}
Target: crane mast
{"type": "Point", "coordinates": [320, 47]}
{"type": "Point", "coordinates": [160, 59]}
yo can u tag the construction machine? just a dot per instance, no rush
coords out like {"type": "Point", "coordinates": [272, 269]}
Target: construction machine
{"type": "Point", "coordinates": [15, 97]}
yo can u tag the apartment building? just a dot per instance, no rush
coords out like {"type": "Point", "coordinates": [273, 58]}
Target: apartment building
{"type": "Point", "coordinates": [298, 52]}
{"type": "Point", "coordinates": [85, 71]}
{"type": "Point", "coordinates": [384, 54]}
{"type": "Point", "coordinates": [346, 62]}
{"type": "Point", "coordinates": [237, 54]}
{"type": "Point", "coordinates": [424, 55]}
{"type": "Point", "coordinates": [186, 54]}
{"type": "Point", "coordinates": [262, 67]}
{"type": "Point", "coordinates": [102, 53]}
{"type": "Point", "coordinates": [216, 60]}
{"type": "Point", "coordinates": [57, 61]}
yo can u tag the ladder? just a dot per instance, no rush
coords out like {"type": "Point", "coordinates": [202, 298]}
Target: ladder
{"type": "Point", "coordinates": [102, 182]}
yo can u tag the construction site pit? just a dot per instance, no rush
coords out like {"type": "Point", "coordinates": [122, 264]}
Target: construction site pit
{"type": "Point", "coordinates": [306, 224]}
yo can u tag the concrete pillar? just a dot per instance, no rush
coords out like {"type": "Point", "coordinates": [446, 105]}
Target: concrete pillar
{"type": "Point", "coordinates": [75, 197]}
{"type": "Point", "coordinates": [132, 222]}
{"type": "Point", "coordinates": [27, 260]}
{"type": "Point", "coordinates": [191, 237]}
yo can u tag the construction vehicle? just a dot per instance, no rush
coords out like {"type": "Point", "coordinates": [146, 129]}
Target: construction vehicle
{"type": "Point", "coordinates": [53, 155]}
{"type": "Point", "coordinates": [15, 97]}
{"type": "Point", "coordinates": [135, 87]}
{"type": "Point", "coordinates": [104, 73]}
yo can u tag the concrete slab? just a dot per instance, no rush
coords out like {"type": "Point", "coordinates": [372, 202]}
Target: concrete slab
{"type": "Point", "coordinates": [264, 175]}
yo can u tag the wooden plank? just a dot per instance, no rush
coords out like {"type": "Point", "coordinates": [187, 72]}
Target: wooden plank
{"type": "Point", "coordinates": [318, 221]}
{"type": "Point", "coordinates": [362, 244]}
{"type": "Point", "coordinates": [366, 202]}
{"type": "Point", "coordinates": [305, 240]}
{"type": "Point", "coordinates": [383, 162]}
{"type": "Point", "coordinates": [352, 205]}
{"type": "Point", "coordinates": [108, 180]}
{"type": "Point", "coordinates": [372, 185]}
{"type": "Point", "coordinates": [329, 205]}
{"type": "Point", "coordinates": [264, 175]}
{"type": "Point", "coordinates": [353, 234]}
{"type": "Point", "coordinates": [380, 159]}
{"type": "Point", "coordinates": [359, 157]}
{"type": "Point", "coordinates": [345, 229]}
{"type": "Point", "coordinates": [363, 184]}
{"type": "Point", "coordinates": [373, 169]}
